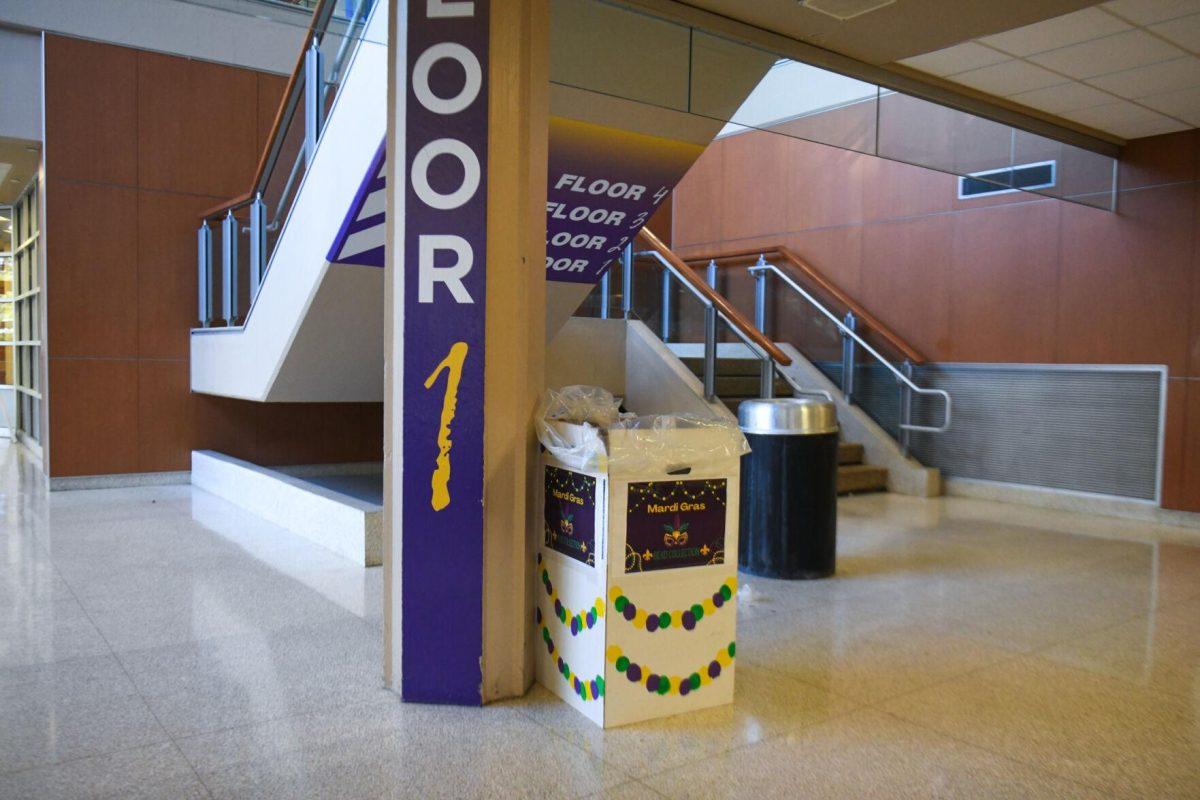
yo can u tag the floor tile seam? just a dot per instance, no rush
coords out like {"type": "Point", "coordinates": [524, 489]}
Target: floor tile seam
{"type": "Point", "coordinates": [630, 776]}
{"type": "Point", "coordinates": [186, 737]}
{"type": "Point", "coordinates": [75, 759]}
{"type": "Point", "coordinates": [1105, 790]}
{"type": "Point", "coordinates": [779, 673]}
{"type": "Point", "coordinates": [1160, 694]}
{"type": "Point", "coordinates": [1009, 657]}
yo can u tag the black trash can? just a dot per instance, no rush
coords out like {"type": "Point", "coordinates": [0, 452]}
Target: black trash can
{"type": "Point", "coordinates": [789, 488]}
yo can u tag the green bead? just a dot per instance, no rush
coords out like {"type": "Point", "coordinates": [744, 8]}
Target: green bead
{"type": "Point", "coordinates": [545, 634]}
{"type": "Point", "coordinates": [566, 671]}
{"type": "Point", "coordinates": [622, 664]}
{"type": "Point", "coordinates": [732, 650]}
{"type": "Point", "coordinates": [726, 592]}
{"type": "Point", "coordinates": [664, 620]}
{"type": "Point", "coordinates": [562, 615]}
{"type": "Point", "coordinates": [694, 680]}
{"type": "Point", "coordinates": [545, 576]}
{"type": "Point", "coordinates": [621, 602]}
{"type": "Point", "coordinates": [698, 610]}
{"type": "Point", "coordinates": [664, 684]}
{"type": "Point", "coordinates": [600, 685]}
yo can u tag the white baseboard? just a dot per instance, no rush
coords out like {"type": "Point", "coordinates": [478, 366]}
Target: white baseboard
{"type": "Point", "coordinates": [349, 527]}
{"type": "Point", "coordinates": [1066, 500]}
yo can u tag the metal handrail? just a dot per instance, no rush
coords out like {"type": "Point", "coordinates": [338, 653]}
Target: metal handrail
{"type": "Point", "coordinates": [762, 267]}
{"type": "Point", "coordinates": [714, 312]}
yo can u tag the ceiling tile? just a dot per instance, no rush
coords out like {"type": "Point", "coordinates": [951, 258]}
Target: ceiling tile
{"type": "Point", "coordinates": [1184, 32]}
{"type": "Point", "coordinates": [1081, 26]}
{"type": "Point", "coordinates": [1146, 12]}
{"type": "Point", "coordinates": [1063, 97]}
{"type": "Point", "coordinates": [1126, 120]}
{"type": "Point", "coordinates": [1011, 77]}
{"type": "Point", "coordinates": [1166, 76]}
{"type": "Point", "coordinates": [1114, 53]}
{"type": "Point", "coordinates": [960, 58]}
{"type": "Point", "coordinates": [1184, 103]}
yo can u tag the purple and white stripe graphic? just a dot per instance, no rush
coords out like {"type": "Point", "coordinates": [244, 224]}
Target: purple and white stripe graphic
{"type": "Point", "coordinates": [360, 239]}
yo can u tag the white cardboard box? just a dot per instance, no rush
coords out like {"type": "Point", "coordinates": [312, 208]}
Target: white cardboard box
{"type": "Point", "coordinates": [659, 530]}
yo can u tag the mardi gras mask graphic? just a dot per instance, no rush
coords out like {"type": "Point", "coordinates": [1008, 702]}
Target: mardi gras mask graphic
{"type": "Point", "coordinates": [675, 535]}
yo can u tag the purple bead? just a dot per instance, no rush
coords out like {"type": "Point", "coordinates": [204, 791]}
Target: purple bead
{"type": "Point", "coordinates": [560, 665]}
{"type": "Point", "coordinates": [689, 620]}
{"type": "Point", "coordinates": [574, 626]}
{"type": "Point", "coordinates": [539, 557]}
{"type": "Point", "coordinates": [630, 611]}
{"type": "Point", "coordinates": [714, 669]}
{"type": "Point", "coordinates": [537, 615]}
{"type": "Point", "coordinates": [652, 684]}
{"type": "Point", "coordinates": [652, 623]}
{"type": "Point", "coordinates": [557, 608]}
{"type": "Point", "coordinates": [595, 689]}
{"type": "Point", "coordinates": [550, 647]}
{"type": "Point", "coordinates": [591, 618]}
{"type": "Point", "coordinates": [684, 688]}
{"type": "Point", "coordinates": [718, 599]}
{"type": "Point", "coordinates": [578, 686]}
{"type": "Point", "coordinates": [634, 672]}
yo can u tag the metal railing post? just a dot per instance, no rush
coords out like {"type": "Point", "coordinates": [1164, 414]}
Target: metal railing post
{"type": "Point", "coordinates": [848, 358]}
{"type": "Point", "coordinates": [627, 281]}
{"type": "Point", "coordinates": [766, 375]}
{"type": "Point", "coordinates": [314, 105]}
{"type": "Point", "coordinates": [204, 278]}
{"type": "Point", "coordinates": [604, 295]}
{"type": "Point", "coordinates": [666, 306]}
{"type": "Point", "coordinates": [906, 408]}
{"type": "Point", "coordinates": [229, 267]}
{"type": "Point", "coordinates": [712, 274]}
{"type": "Point", "coordinates": [258, 244]}
{"type": "Point", "coordinates": [710, 352]}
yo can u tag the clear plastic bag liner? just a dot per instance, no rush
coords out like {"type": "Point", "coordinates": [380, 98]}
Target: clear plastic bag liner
{"type": "Point", "coordinates": [583, 427]}
{"type": "Point", "coordinates": [673, 443]}
{"type": "Point", "coordinates": [569, 421]}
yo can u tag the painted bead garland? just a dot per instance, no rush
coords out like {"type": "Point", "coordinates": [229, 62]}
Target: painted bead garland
{"type": "Point", "coordinates": [666, 684]}
{"type": "Point", "coordinates": [686, 618]}
{"type": "Point", "coordinates": [576, 622]}
{"type": "Point", "coordinates": [587, 690]}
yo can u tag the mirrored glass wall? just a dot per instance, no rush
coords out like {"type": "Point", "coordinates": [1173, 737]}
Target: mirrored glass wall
{"type": "Point", "coordinates": [633, 56]}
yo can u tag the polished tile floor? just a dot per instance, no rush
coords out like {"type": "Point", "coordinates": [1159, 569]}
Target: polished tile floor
{"type": "Point", "coordinates": [160, 643]}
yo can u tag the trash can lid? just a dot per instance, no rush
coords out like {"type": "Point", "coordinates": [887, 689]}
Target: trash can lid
{"type": "Point", "coordinates": [788, 415]}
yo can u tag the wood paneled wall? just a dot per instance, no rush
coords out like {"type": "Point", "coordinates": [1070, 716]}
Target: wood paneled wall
{"type": "Point", "coordinates": [1013, 278]}
{"type": "Point", "coordinates": [137, 144]}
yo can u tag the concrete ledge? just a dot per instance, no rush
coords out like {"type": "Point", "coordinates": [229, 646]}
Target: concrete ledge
{"type": "Point", "coordinates": [349, 527]}
{"type": "Point", "coordinates": [122, 480]}
{"type": "Point", "coordinates": [1065, 500]}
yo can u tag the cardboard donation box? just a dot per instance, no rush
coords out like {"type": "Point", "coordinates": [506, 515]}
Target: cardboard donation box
{"type": "Point", "coordinates": [637, 569]}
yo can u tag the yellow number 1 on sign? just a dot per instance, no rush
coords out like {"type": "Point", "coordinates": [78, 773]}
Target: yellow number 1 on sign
{"type": "Point", "coordinates": [452, 365]}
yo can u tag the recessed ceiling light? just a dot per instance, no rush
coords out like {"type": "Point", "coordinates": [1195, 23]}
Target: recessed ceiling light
{"type": "Point", "coordinates": [845, 9]}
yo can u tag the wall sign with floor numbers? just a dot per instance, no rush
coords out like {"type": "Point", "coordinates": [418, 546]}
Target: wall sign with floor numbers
{"type": "Point", "coordinates": [443, 269]}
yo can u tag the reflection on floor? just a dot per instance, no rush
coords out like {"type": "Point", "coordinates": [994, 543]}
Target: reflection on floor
{"type": "Point", "coordinates": [158, 642]}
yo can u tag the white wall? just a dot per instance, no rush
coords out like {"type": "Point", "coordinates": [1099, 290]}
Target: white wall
{"type": "Point", "coordinates": [20, 84]}
{"type": "Point", "coordinates": [240, 32]}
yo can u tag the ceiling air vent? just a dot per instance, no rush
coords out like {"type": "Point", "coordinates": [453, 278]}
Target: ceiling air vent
{"type": "Point", "coordinates": [845, 9]}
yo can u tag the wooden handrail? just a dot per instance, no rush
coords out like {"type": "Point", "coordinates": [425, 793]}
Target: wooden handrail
{"type": "Point", "coordinates": [735, 317]}
{"type": "Point", "coordinates": [280, 113]}
{"type": "Point", "coordinates": [731, 258]}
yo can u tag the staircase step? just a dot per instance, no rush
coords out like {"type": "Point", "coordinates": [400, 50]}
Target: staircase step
{"type": "Point", "coordinates": [733, 367]}
{"type": "Point", "coordinates": [741, 387]}
{"type": "Point", "coordinates": [849, 453]}
{"type": "Point", "coordinates": [861, 478]}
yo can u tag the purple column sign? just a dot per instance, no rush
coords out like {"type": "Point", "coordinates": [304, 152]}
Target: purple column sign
{"type": "Point", "coordinates": [445, 160]}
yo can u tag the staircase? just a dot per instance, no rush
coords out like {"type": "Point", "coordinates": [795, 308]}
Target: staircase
{"type": "Point", "coordinates": [737, 380]}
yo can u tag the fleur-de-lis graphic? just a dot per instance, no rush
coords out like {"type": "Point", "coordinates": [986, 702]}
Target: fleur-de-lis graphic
{"type": "Point", "coordinates": [675, 535]}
